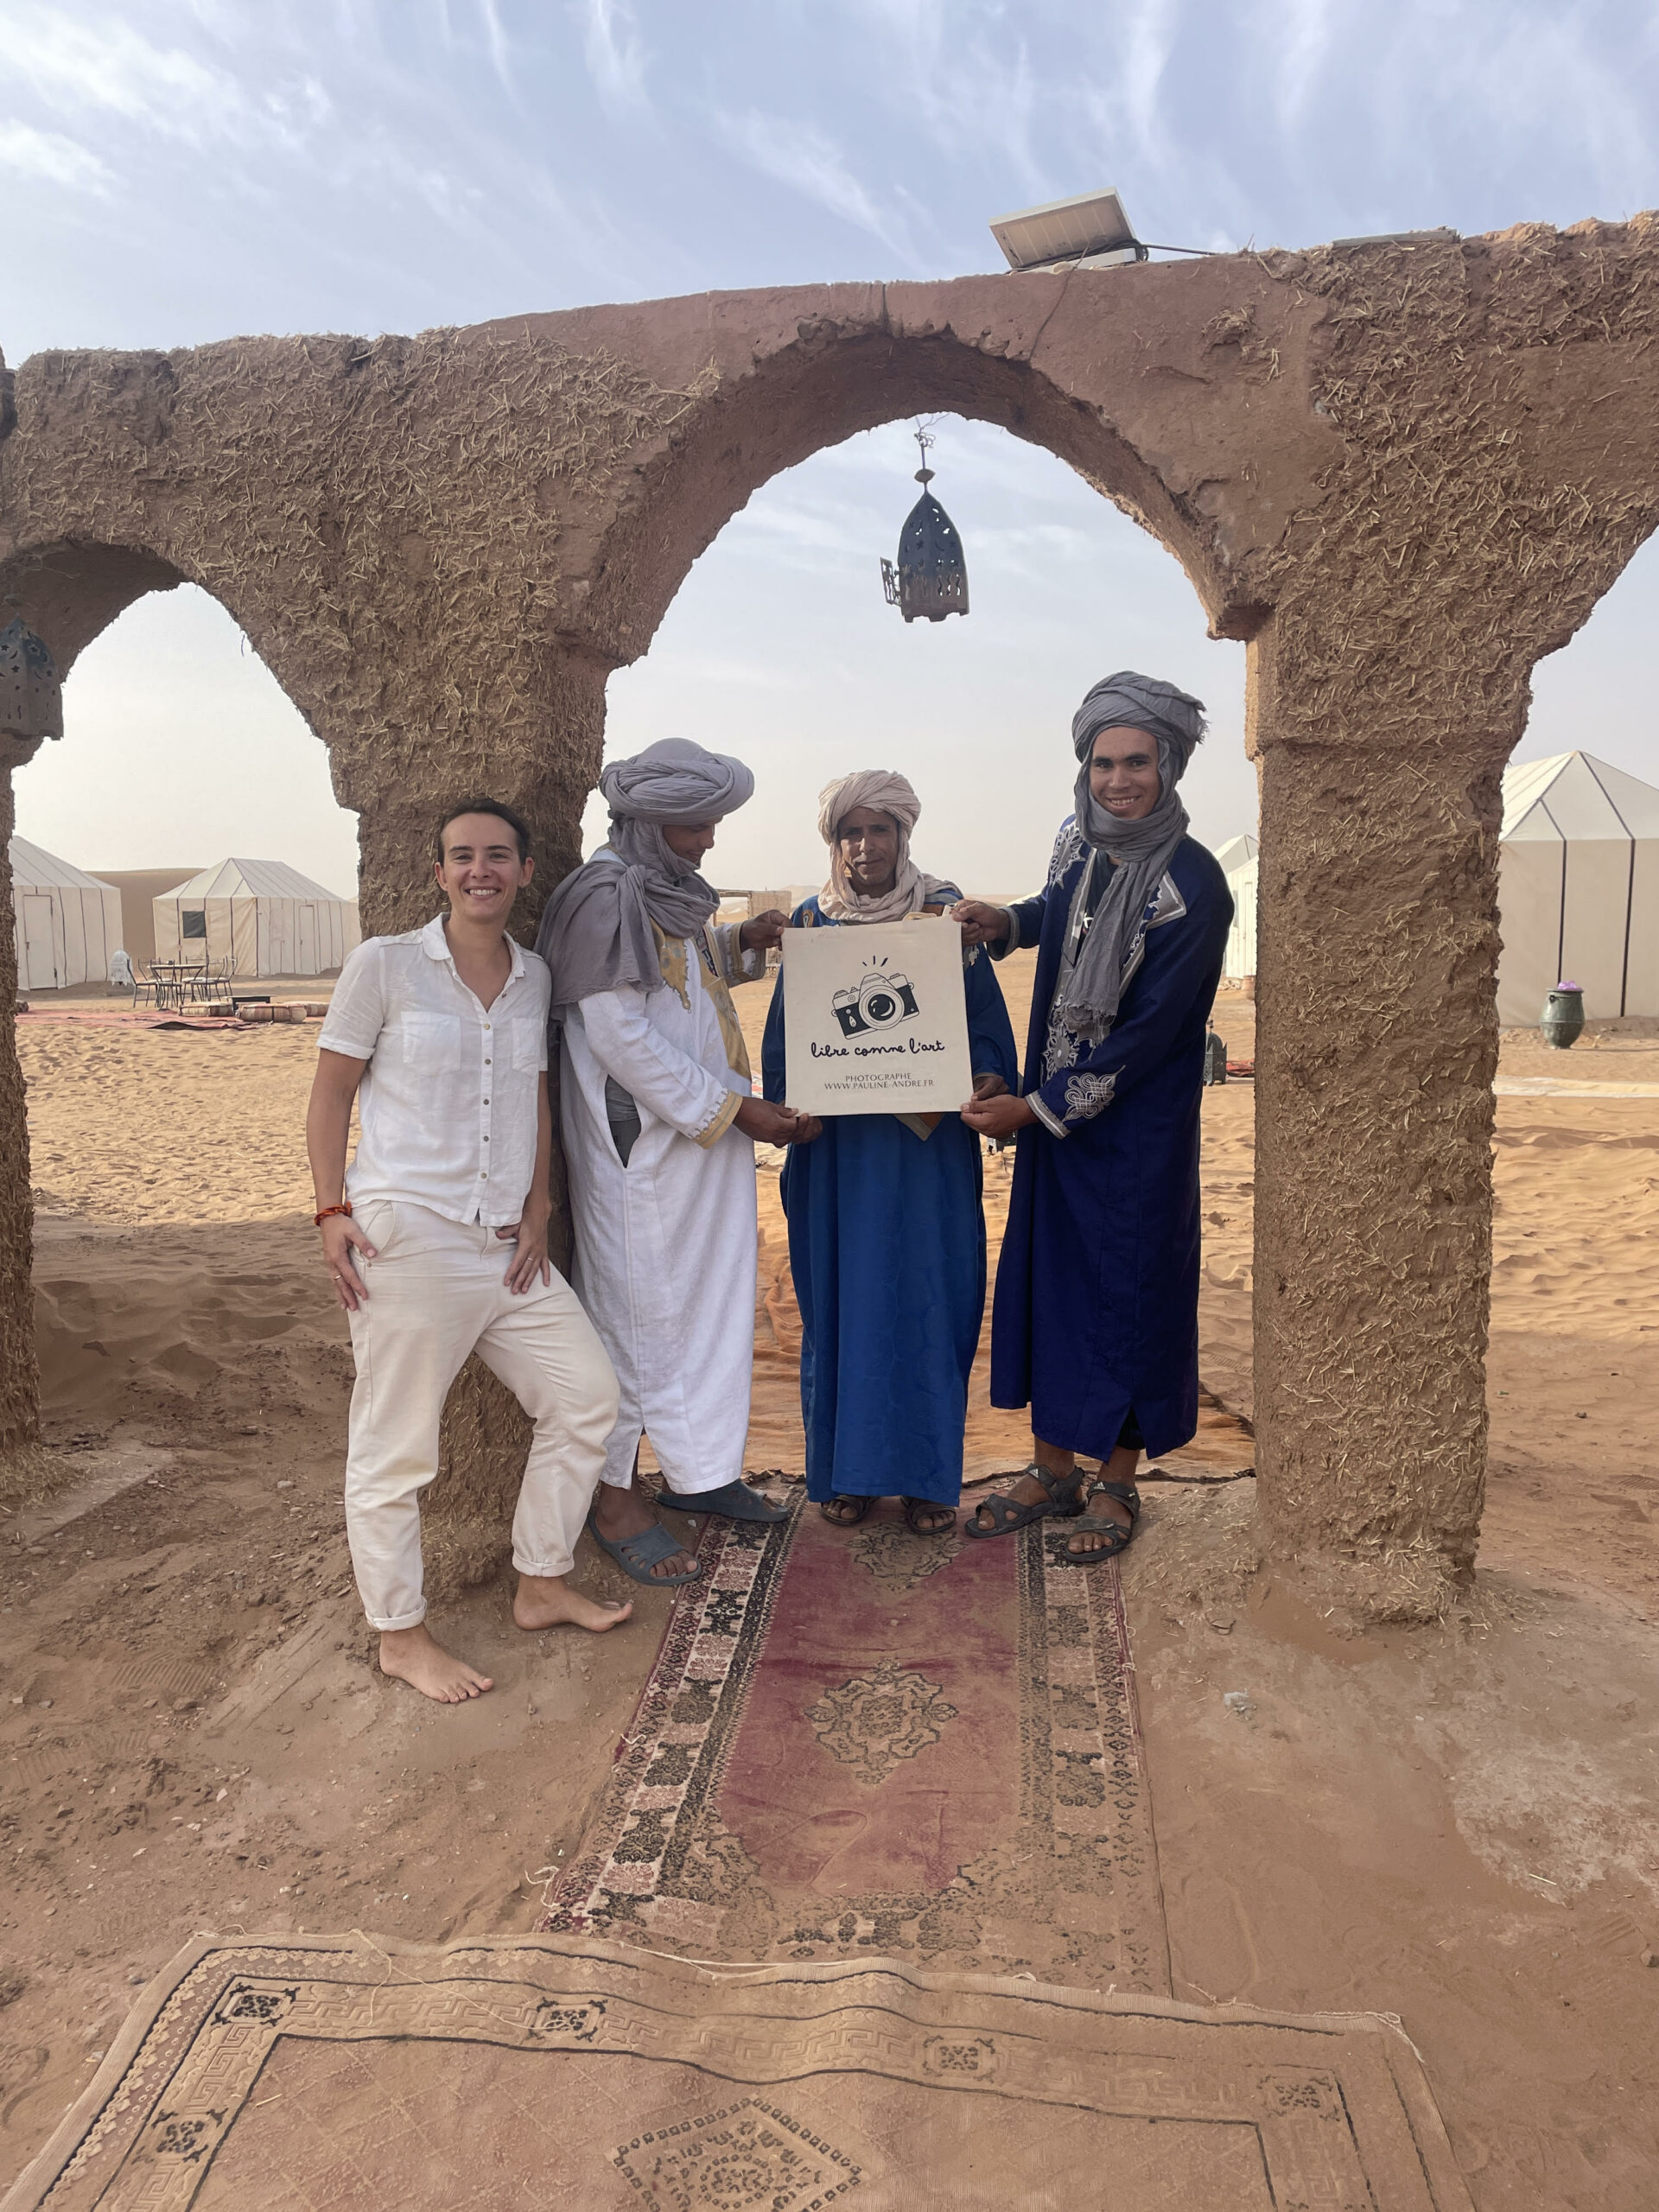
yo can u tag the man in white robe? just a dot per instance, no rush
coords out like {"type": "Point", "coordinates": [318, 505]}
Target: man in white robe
{"type": "Point", "coordinates": [659, 1124]}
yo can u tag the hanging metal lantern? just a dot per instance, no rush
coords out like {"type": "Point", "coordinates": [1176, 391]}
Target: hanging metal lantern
{"type": "Point", "coordinates": [31, 699]}
{"type": "Point", "coordinates": [931, 575]}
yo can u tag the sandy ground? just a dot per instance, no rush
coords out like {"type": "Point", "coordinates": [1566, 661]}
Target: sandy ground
{"type": "Point", "coordinates": [1454, 1825]}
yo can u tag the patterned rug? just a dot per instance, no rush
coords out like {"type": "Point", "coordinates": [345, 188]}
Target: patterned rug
{"type": "Point", "coordinates": [508, 2076]}
{"type": "Point", "coordinates": [863, 1741]}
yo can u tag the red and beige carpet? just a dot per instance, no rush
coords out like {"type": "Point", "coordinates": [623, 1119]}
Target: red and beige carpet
{"type": "Point", "coordinates": [867, 1743]}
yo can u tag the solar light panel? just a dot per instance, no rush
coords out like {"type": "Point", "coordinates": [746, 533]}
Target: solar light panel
{"type": "Point", "coordinates": [1064, 230]}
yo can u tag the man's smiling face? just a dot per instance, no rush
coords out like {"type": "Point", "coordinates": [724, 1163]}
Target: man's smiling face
{"type": "Point", "coordinates": [480, 872]}
{"type": "Point", "coordinates": [1124, 773]}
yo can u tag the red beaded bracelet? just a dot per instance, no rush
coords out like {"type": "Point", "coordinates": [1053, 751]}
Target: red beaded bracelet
{"type": "Point", "coordinates": [317, 1219]}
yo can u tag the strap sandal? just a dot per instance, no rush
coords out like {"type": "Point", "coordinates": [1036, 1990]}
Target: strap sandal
{"type": "Point", "coordinates": [1062, 1504]}
{"type": "Point", "coordinates": [734, 1500]}
{"type": "Point", "coordinates": [844, 1510]}
{"type": "Point", "coordinates": [1117, 1537]}
{"type": "Point", "coordinates": [637, 1555]}
{"type": "Point", "coordinates": [918, 1511]}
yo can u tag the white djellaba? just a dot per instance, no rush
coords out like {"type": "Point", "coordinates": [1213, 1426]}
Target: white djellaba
{"type": "Point", "coordinates": [666, 1239]}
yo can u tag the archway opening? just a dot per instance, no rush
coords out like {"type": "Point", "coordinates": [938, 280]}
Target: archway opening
{"type": "Point", "coordinates": [157, 1115]}
{"type": "Point", "coordinates": [780, 647]}
{"type": "Point", "coordinates": [1575, 1227]}
{"type": "Point", "coordinates": [1579, 874]}
{"type": "Point", "coordinates": [182, 754]}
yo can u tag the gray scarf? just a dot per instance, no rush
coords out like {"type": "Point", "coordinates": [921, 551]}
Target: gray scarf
{"type": "Point", "coordinates": [1091, 984]}
{"type": "Point", "coordinates": [595, 931]}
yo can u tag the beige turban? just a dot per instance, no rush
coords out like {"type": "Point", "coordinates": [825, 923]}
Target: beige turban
{"type": "Point", "coordinates": [888, 793]}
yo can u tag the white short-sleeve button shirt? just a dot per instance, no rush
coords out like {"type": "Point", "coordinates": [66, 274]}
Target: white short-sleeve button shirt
{"type": "Point", "coordinates": [447, 1107]}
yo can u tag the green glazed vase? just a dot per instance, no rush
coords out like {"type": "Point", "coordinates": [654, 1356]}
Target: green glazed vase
{"type": "Point", "coordinates": [1563, 1015]}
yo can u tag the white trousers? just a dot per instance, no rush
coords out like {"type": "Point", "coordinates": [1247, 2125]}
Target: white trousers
{"type": "Point", "coordinates": [437, 1292]}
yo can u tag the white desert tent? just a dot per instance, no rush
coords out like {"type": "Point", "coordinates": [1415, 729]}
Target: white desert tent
{"type": "Point", "coordinates": [68, 923]}
{"type": "Point", "coordinates": [1578, 890]}
{"type": "Point", "coordinates": [256, 917]}
{"type": "Point", "coordinates": [1242, 868]}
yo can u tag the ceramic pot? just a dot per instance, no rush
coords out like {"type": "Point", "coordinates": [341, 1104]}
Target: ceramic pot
{"type": "Point", "coordinates": [1563, 1016]}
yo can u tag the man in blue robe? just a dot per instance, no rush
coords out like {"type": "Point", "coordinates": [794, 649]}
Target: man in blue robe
{"type": "Point", "coordinates": [886, 1228]}
{"type": "Point", "coordinates": [1096, 1320]}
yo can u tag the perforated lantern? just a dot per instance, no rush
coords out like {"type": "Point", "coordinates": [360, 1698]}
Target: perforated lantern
{"type": "Point", "coordinates": [931, 577]}
{"type": "Point", "coordinates": [31, 699]}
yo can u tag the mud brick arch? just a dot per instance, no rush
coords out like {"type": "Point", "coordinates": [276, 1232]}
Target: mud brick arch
{"type": "Point", "coordinates": [1401, 469]}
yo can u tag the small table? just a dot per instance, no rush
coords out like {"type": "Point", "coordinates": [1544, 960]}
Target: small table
{"type": "Point", "coordinates": [175, 980]}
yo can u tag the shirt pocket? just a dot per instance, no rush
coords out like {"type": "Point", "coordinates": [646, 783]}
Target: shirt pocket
{"type": "Point", "coordinates": [527, 1044]}
{"type": "Point", "coordinates": [431, 1042]}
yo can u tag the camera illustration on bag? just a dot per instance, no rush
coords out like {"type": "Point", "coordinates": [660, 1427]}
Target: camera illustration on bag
{"type": "Point", "coordinates": [877, 1001]}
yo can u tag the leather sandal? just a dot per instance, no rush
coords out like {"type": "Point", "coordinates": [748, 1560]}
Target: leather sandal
{"type": "Point", "coordinates": [843, 1497]}
{"type": "Point", "coordinates": [917, 1508]}
{"type": "Point", "coordinates": [1097, 1524]}
{"type": "Point", "coordinates": [1062, 1504]}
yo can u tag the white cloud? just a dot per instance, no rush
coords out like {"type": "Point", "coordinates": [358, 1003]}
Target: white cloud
{"type": "Point", "coordinates": [1148, 39]}
{"type": "Point", "coordinates": [105, 66]}
{"type": "Point", "coordinates": [809, 162]}
{"type": "Point", "coordinates": [1302, 36]}
{"type": "Point", "coordinates": [1537, 82]}
{"type": "Point", "coordinates": [615, 54]}
{"type": "Point", "coordinates": [496, 39]}
{"type": "Point", "coordinates": [52, 159]}
{"type": "Point", "coordinates": [971, 89]}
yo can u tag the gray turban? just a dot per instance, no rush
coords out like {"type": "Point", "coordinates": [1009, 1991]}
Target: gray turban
{"type": "Point", "coordinates": [1140, 852]}
{"type": "Point", "coordinates": [675, 782]}
{"type": "Point", "coordinates": [1127, 700]}
{"type": "Point", "coordinates": [888, 792]}
{"type": "Point", "coordinates": [595, 931]}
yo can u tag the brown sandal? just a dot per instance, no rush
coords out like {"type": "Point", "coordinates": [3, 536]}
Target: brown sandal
{"type": "Point", "coordinates": [916, 1507]}
{"type": "Point", "coordinates": [861, 1507]}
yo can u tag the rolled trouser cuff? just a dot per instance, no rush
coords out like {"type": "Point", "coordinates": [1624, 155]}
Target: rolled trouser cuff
{"type": "Point", "coordinates": [550, 1570]}
{"type": "Point", "coordinates": [399, 1620]}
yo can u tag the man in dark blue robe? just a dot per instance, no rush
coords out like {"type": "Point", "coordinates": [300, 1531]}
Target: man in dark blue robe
{"type": "Point", "coordinates": [886, 1228]}
{"type": "Point", "coordinates": [1095, 1324]}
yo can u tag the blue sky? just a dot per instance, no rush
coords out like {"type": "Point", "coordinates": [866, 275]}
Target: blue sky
{"type": "Point", "coordinates": [173, 171]}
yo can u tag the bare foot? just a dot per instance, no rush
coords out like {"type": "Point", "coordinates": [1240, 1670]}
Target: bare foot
{"type": "Point", "coordinates": [415, 1655]}
{"type": "Point", "coordinates": [546, 1600]}
{"type": "Point", "coordinates": [618, 1514]}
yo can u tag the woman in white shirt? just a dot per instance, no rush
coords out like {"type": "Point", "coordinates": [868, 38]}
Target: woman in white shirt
{"type": "Point", "coordinates": [435, 1240]}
